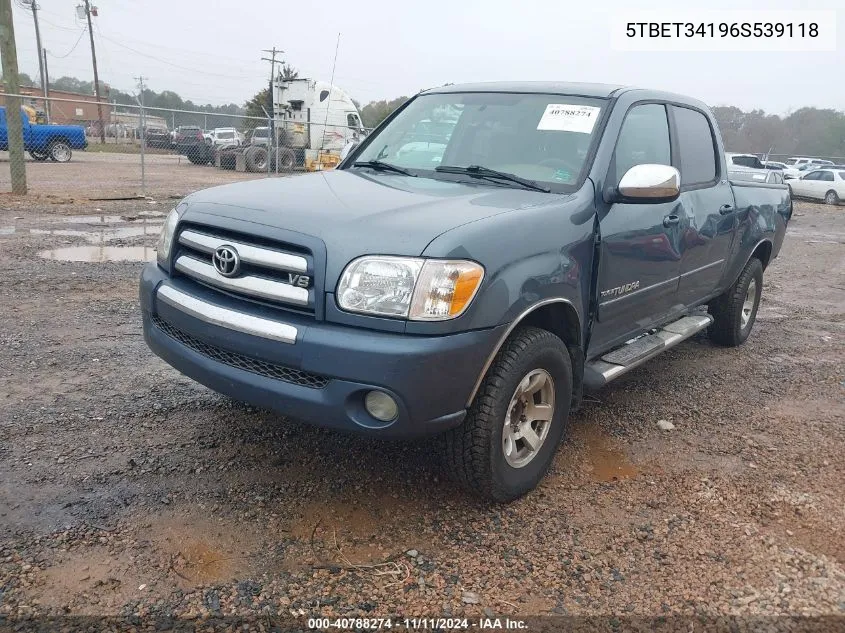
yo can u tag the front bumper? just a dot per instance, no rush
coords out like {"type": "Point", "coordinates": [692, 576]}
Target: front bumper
{"type": "Point", "coordinates": [430, 377]}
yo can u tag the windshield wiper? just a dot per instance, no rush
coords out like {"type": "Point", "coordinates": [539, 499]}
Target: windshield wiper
{"type": "Point", "coordinates": [477, 171]}
{"type": "Point", "coordinates": [382, 166]}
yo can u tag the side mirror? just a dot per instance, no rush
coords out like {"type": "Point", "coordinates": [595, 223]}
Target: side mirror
{"type": "Point", "coordinates": [649, 183]}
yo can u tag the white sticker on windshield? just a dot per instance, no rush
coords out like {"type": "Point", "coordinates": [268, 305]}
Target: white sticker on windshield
{"type": "Point", "coordinates": [564, 117]}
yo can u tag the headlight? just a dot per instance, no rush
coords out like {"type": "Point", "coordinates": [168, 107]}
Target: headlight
{"type": "Point", "coordinates": [165, 240]}
{"type": "Point", "coordinates": [410, 287]}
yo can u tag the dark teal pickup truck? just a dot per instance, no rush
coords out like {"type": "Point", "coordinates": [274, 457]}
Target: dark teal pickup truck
{"type": "Point", "coordinates": [55, 142]}
{"type": "Point", "coordinates": [473, 284]}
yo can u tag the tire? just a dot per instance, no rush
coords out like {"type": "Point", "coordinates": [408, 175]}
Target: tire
{"type": "Point", "coordinates": [286, 160]}
{"type": "Point", "coordinates": [475, 452]}
{"type": "Point", "coordinates": [197, 158]}
{"type": "Point", "coordinates": [735, 311]}
{"type": "Point", "coordinates": [60, 151]}
{"type": "Point", "coordinates": [831, 198]}
{"type": "Point", "coordinates": [39, 156]}
{"type": "Point", "coordinates": [255, 159]}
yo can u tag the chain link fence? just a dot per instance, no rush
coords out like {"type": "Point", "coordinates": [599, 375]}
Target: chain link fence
{"type": "Point", "coordinates": [79, 148]}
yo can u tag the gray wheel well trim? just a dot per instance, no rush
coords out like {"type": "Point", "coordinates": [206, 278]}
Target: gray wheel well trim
{"type": "Point", "coordinates": [507, 333]}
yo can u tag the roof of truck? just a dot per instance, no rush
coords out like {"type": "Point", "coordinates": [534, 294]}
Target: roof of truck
{"type": "Point", "coordinates": [544, 87]}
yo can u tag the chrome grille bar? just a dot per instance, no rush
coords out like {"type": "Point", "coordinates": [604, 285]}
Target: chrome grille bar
{"type": "Point", "coordinates": [247, 252]}
{"type": "Point", "coordinates": [230, 319]}
{"type": "Point", "coordinates": [246, 284]}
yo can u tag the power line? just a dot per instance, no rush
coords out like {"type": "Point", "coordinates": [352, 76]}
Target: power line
{"type": "Point", "coordinates": [164, 61]}
{"type": "Point", "coordinates": [73, 48]}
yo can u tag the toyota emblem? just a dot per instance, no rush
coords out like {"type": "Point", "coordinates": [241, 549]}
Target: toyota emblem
{"type": "Point", "coordinates": [226, 261]}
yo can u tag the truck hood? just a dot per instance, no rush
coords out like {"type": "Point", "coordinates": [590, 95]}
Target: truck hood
{"type": "Point", "coordinates": [358, 213]}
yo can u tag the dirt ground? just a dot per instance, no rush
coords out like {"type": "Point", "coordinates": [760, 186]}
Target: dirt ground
{"type": "Point", "coordinates": [128, 490]}
{"type": "Point", "coordinates": [108, 175]}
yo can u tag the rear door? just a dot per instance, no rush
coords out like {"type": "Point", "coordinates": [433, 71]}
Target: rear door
{"type": "Point", "coordinates": [707, 227]}
{"type": "Point", "coordinates": [639, 259]}
{"type": "Point", "coordinates": [824, 184]}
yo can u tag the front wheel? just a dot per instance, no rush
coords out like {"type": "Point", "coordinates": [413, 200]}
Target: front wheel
{"type": "Point", "coordinates": [735, 311]}
{"type": "Point", "coordinates": [60, 152]}
{"type": "Point", "coordinates": [39, 156]}
{"type": "Point", "coordinates": [517, 420]}
{"type": "Point", "coordinates": [831, 197]}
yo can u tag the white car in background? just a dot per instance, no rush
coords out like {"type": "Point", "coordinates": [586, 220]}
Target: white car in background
{"type": "Point", "coordinates": [226, 136]}
{"type": "Point", "coordinates": [774, 164]}
{"type": "Point", "coordinates": [743, 160]}
{"type": "Point", "coordinates": [799, 170]}
{"type": "Point", "coordinates": [820, 184]}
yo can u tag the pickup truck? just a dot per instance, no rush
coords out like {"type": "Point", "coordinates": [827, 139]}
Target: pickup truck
{"type": "Point", "coordinates": [562, 235]}
{"type": "Point", "coordinates": [55, 142]}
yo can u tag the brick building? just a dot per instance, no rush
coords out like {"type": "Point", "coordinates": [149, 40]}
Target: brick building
{"type": "Point", "coordinates": [78, 109]}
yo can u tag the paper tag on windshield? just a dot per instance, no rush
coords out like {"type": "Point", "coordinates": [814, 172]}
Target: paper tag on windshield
{"type": "Point", "coordinates": [569, 118]}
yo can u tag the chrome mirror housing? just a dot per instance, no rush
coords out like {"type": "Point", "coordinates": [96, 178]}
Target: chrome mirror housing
{"type": "Point", "coordinates": [650, 183]}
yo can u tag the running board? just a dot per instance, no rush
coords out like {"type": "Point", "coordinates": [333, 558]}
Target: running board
{"type": "Point", "coordinates": [599, 372]}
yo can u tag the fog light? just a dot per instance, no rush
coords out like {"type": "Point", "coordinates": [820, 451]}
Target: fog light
{"type": "Point", "coordinates": [381, 406]}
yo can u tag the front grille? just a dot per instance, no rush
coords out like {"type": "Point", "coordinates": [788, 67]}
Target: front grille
{"type": "Point", "coordinates": [233, 359]}
{"type": "Point", "coordinates": [277, 273]}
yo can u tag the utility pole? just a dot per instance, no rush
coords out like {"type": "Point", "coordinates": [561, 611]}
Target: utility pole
{"type": "Point", "coordinates": [272, 149]}
{"type": "Point", "coordinates": [96, 76]}
{"type": "Point", "coordinates": [34, 6]}
{"type": "Point", "coordinates": [46, 85]}
{"type": "Point", "coordinates": [9, 54]}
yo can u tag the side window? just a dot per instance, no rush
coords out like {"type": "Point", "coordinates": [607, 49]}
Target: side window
{"type": "Point", "coordinates": [827, 176]}
{"type": "Point", "coordinates": [644, 138]}
{"type": "Point", "coordinates": [696, 146]}
{"type": "Point", "coordinates": [813, 175]}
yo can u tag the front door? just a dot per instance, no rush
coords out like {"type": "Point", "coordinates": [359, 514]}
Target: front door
{"type": "Point", "coordinates": [707, 228]}
{"type": "Point", "coordinates": [639, 258]}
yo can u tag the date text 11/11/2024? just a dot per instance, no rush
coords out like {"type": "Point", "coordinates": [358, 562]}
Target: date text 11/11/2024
{"type": "Point", "coordinates": [414, 624]}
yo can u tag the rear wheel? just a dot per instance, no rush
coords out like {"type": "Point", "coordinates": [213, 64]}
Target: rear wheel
{"type": "Point", "coordinates": [255, 159]}
{"type": "Point", "coordinates": [831, 198]}
{"type": "Point", "coordinates": [516, 422]}
{"type": "Point", "coordinates": [286, 159]}
{"type": "Point", "coordinates": [60, 151]}
{"type": "Point", "coordinates": [39, 156]}
{"type": "Point", "coordinates": [735, 311]}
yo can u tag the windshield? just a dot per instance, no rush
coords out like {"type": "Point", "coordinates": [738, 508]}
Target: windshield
{"type": "Point", "coordinates": [225, 135]}
{"type": "Point", "coordinates": [540, 137]}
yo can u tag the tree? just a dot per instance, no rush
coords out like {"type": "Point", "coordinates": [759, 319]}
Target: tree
{"type": "Point", "coordinates": [258, 104]}
{"type": "Point", "coordinates": [288, 72]}
{"type": "Point", "coordinates": [377, 111]}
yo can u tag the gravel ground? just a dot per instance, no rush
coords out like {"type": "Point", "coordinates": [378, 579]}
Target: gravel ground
{"type": "Point", "coordinates": [108, 175]}
{"type": "Point", "coordinates": [127, 489]}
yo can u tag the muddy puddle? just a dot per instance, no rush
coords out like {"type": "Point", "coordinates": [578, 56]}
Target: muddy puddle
{"type": "Point", "coordinates": [99, 254]}
{"type": "Point", "coordinates": [605, 460]}
{"type": "Point", "coordinates": [99, 239]}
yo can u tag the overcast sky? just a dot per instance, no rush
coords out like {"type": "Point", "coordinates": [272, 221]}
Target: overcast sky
{"type": "Point", "coordinates": [210, 51]}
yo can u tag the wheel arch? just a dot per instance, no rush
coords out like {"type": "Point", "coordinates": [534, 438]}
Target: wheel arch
{"type": "Point", "coordinates": [763, 252]}
{"type": "Point", "coordinates": [556, 315]}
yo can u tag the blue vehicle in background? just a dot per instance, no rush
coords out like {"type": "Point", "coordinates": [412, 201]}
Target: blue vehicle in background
{"type": "Point", "coordinates": [55, 142]}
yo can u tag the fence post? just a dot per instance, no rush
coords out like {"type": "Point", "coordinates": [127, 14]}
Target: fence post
{"type": "Point", "coordinates": [8, 51]}
{"type": "Point", "coordinates": [143, 142]}
{"type": "Point", "coordinates": [270, 140]}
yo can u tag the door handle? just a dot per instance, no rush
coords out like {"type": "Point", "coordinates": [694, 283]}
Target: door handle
{"type": "Point", "coordinates": [725, 209]}
{"type": "Point", "coordinates": [671, 220]}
